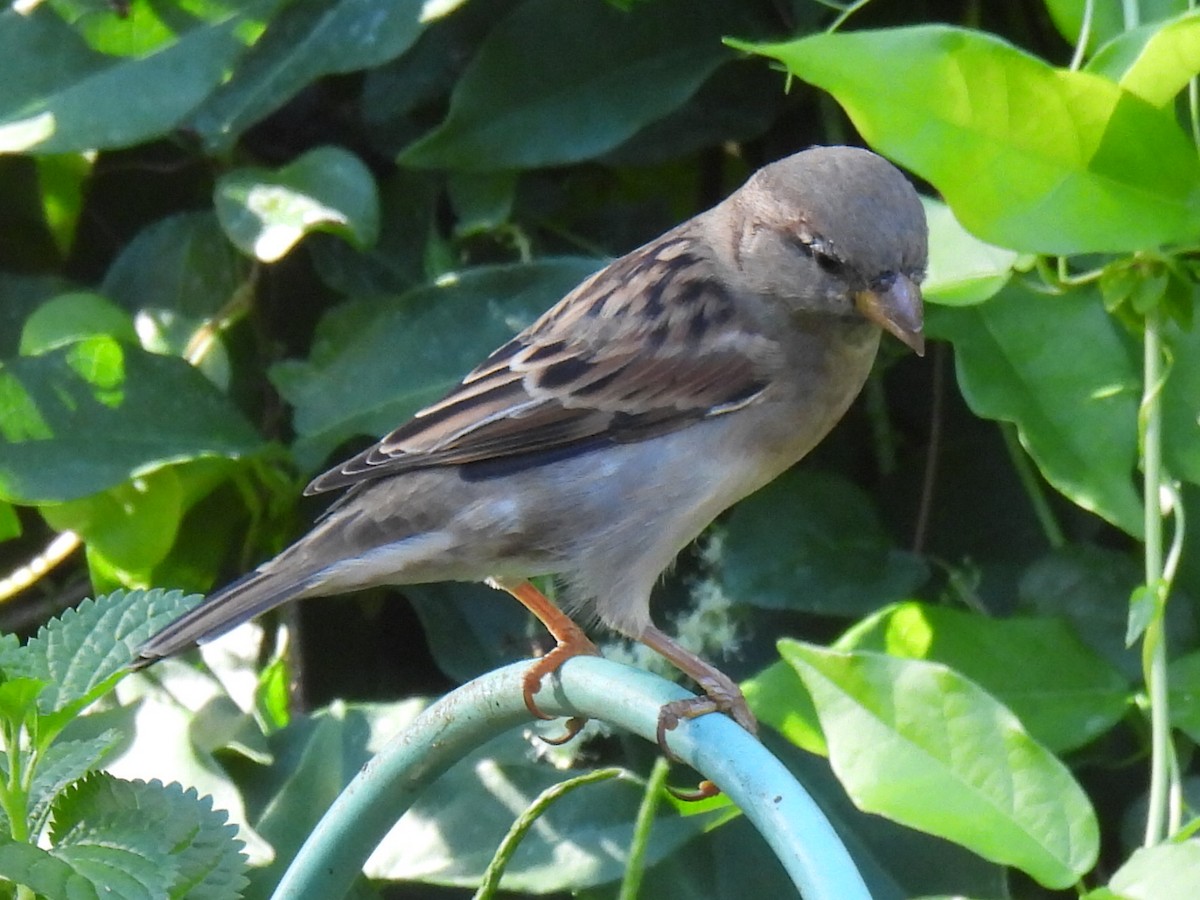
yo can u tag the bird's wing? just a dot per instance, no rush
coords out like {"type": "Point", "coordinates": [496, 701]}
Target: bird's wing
{"type": "Point", "coordinates": [643, 347]}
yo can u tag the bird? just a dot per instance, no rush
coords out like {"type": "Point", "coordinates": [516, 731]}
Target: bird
{"type": "Point", "coordinates": [607, 435]}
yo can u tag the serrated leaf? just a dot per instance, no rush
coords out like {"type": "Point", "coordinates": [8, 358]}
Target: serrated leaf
{"type": "Point", "coordinates": [172, 741]}
{"type": "Point", "coordinates": [1064, 694]}
{"type": "Point", "coordinates": [558, 81]}
{"type": "Point", "coordinates": [375, 363]}
{"type": "Point", "coordinates": [62, 764]}
{"type": "Point", "coordinates": [200, 848]}
{"type": "Point", "coordinates": [42, 872]}
{"type": "Point", "coordinates": [1018, 360]}
{"type": "Point", "coordinates": [91, 643]}
{"type": "Point", "coordinates": [18, 697]}
{"type": "Point", "coordinates": [134, 412]}
{"type": "Point", "coordinates": [65, 96]}
{"type": "Point", "coordinates": [11, 655]}
{"type": "Point", "coordinates": [71, 317]}
{"type": "Point", "coordinates": [132, 869]}
{"type": "Point", "coordinates": [1085, 167]}
{"type": "Point", "coordinates": [901, 732]}
{"type": "Point", "coordinates": [327, 189]}
{"type": "Point", "coordinates": [306, 40]}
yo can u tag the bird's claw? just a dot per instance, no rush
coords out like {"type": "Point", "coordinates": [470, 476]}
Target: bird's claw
{"type": "Point", "coordinates": [548, 665]}
{"type": "Point", "coordinates": [717, 699]}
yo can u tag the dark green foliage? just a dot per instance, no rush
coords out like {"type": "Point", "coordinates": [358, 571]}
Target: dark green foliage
{"type": "Point", "coordinates": [240, 239]}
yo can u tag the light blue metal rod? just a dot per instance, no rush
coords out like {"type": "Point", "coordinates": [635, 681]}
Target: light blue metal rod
{"type": "Point", "coordinates": [783, 812]}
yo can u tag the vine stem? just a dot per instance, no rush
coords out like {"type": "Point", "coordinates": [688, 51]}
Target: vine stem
{"type": "Point", "coordinates": [1154, 647]}
{"type": "Point", "coordinates": [635, 866]}
{"type": "Point", "coordinates": [1033, 488]}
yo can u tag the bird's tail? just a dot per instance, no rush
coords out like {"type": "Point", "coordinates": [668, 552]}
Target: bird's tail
{"type": "Point", "coordinates": [240, 601]}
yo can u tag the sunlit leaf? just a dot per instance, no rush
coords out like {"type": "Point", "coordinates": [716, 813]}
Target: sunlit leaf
{"type": "Point", "coordinates": [1045, 160]}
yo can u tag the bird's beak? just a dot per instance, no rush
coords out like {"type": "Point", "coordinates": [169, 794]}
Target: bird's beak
{"type": "Point", "coordinates": [898, 309]}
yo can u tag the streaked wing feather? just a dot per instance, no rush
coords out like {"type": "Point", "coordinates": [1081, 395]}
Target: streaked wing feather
{"type": "Point", "coordinates": [615, 361]}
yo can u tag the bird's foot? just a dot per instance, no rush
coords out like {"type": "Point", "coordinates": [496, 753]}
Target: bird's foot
{"type": "Point", "coordinates": [573, 645]}
{"type": "Point", "coordinates": [720, 695]}
{"type": "Point", "coordinates": [571, 642]}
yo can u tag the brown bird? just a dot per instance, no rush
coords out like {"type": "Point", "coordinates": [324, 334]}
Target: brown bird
{"type": "Point", "coordinates": [603, 438]}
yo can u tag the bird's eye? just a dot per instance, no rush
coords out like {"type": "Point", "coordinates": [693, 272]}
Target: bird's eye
{"type": "Point", "coordinates": [820, 251]}
{"type": "Point", "coordinates": [831, 265]}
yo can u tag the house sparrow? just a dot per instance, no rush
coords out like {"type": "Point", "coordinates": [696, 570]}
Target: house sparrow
{"type": "Point", "coordinates": [604, 437]}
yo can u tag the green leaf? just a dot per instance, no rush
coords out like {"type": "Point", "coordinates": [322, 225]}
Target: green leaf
{"type": "Point", "coordinates": [1060, 369]}
{"type": "Point", "coordinates": [63, 179]}
{"type": "Point", "coordinates": [132, 529]}
{"type": "Point", "coordinates": [73, 317]}
{"type": "Point", "coordinates": [62, 764]}
{"type": "Point", "coordinates": [1108, 19]}
{"type": "Point", "coordinates": [18, 696]}
{"type": "Point", "coordinates": [131, 27]}
{"type": "Point", "coordinates": [375, 363]}
{"type": "Point", "coordinates": [901, 732]}
{"type": "Point", "coordinates": [22, 295]}
{"type": "Point", "coordinates": [1155, 62]}
{"type": "Point", "coordinates": [1165, 872]}
{"type": "Point", "coordinates": [10, 523]}
{"type": "Point", "coordinates": [1184, 681]}
{"type": "Point", "coordinates": [43, 873]}
{"type": "Point", "coordinates": [468, 811]}
{"type": "Point", "coordinates": [133, 525]}
{"type": "Point", "coordinates": [94, 641]}
{"type": "Point", "coordinates": [962, 269]}
{"type": "Point", "coordinates": [1090, 587]}
{"type": "Point", "coordinates": [308, 39]}
{"type": "Point", "coordinates": [65, 96]}
{"type": "Point", "coordinates": [1064, 694]}
{"type": "Point", "coordinates": [813, 541]}
{"type": "Point", "coordinates": [467, 632]}
{"type": "Point", "coordinates": [481, 201]}
{"type": "Point", "coordinates": [11, 655]}
{"type": "Point", "coordinates": [557, 81]}
{"type": "Point", "coordinates": [327, 189]}
{"type": "Point", "coordinates": [133, 411]}
{"type": "Point", "coordinates": [178, 268]}
{"type": "Point", "coordinates": [201, 854]}
{"type": "Point", "coordinates": [736, 104]}
{"type": "Point", "coordinates": [779, 698]}
{"type": "Point", "coordinates": [397, 261]}
{"type": "Point", "coordinates": [1083, 167]}
{"type": "Point", "coordinates": [317, 757]}
{"type": "Point", "coordinates": [1181, 400]}
{"type": "Point", "coordinates": [129, 865]}
{"type": "Point", "coordinates": [186, 730]}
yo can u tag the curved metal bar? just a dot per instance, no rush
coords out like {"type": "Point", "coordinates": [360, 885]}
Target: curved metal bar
{"type": "Point", "coordinates": [770, 797]}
